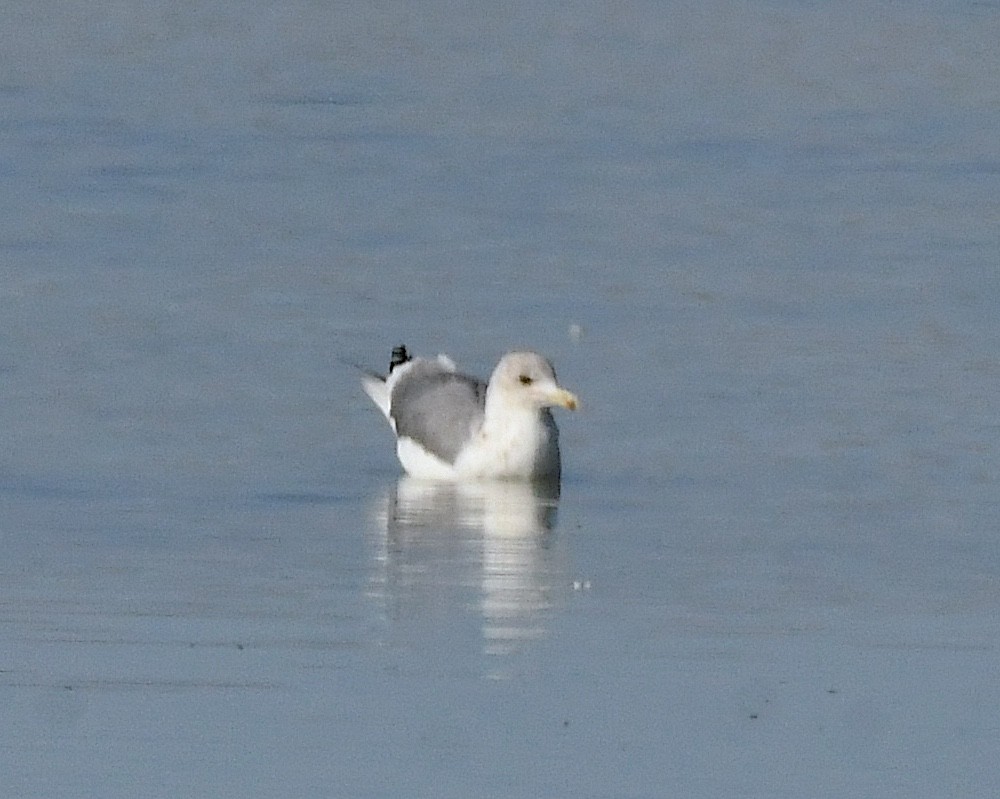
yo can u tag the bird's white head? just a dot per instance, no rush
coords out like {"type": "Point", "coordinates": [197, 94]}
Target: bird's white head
{"type": "Point", "coordinates": [528, 380]}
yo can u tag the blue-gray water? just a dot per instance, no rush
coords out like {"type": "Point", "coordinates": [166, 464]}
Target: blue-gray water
{"type": "Point", "coordinates": [774, 569]}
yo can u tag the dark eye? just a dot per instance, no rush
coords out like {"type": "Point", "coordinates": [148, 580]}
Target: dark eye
{"type": "Point", "coordinates": [525, 380]}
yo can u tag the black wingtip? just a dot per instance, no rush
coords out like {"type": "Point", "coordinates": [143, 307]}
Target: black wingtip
{"type": "Point", "coordinates": [399, 357]}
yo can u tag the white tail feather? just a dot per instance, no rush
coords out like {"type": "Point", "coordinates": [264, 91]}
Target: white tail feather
{"type": "Point", "coordinates": [376, 388]}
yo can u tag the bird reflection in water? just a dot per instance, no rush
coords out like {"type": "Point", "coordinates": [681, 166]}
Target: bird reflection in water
{"type": "Point", "coordinates": [490, 543]}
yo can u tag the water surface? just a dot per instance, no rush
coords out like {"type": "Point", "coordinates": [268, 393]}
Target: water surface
{"type": "Point", "coordinates": [759, 240]}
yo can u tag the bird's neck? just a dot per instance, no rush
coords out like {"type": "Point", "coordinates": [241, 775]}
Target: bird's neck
{"type": "Point", "coordinates": [499, 414]}
{"type": "Point", "coordinates": [530, 426]}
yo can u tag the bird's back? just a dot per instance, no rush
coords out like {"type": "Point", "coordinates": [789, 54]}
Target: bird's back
{"type": "Point", "coordinates": [437, 408]}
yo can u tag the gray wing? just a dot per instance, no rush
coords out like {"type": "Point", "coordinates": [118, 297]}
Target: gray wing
{"type": "Point", "coordinates": [438, 409]}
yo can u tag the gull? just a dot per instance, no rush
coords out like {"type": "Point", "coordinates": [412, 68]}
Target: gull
{"type": "Point", "coordinates": [450, 426]}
